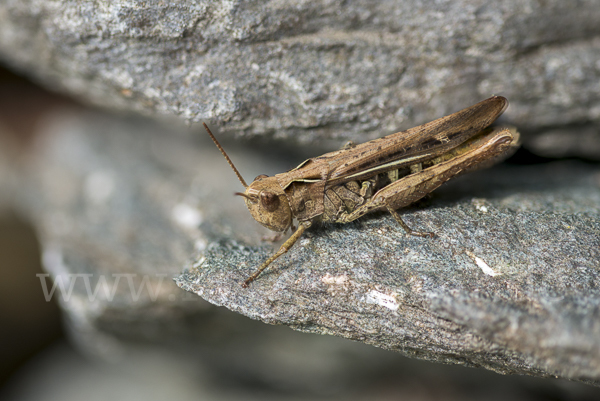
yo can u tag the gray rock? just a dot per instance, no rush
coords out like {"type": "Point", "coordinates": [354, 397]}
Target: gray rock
{"type": "Point", "coordinates": [118, 198]}
{"type": "Point", "coordinates": [120, 208]}
{"type": "Point", "coordinates": [510, 283]}
{"type": "Point", "coordinates": [581, 141]}
{"type": "Point", "coordinates": [316, 70]}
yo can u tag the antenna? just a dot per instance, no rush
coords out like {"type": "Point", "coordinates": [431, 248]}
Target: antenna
{"type": "Point", "coordinates": [254, 200]}
{"type": "Point", "coordinates": [239, 176]}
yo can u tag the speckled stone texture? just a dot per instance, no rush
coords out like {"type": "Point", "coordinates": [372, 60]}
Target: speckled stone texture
{"type": "Point", "coordinates": [511, 283]}
{"type": "Point", "coordinates": [316, 70]}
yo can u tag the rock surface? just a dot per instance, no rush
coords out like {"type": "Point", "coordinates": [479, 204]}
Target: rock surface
{"type": "Point", "coordinates": [117, 198]}
{"type": "Point", "coordinates": [120, 208]}
{"type": "Point", "coordinates": [315, 70]}
{"type": "Point", "coordinates": [511, 283]}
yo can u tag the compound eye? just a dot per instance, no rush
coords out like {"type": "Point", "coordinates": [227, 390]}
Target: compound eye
{"type": "Point", "coordinates": [269, 201]}
{"type": "Point", "coordinates": [260, 177]}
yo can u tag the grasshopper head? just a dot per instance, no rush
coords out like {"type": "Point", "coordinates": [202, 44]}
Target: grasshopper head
{"type": "Point", "coordinates": [264, 197]}
{"type": "Point", "coordinates": [268, 203]}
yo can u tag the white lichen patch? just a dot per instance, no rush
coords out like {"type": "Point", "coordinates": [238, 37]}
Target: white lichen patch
{"type": "Point", "coordinates": [198, 264]}
{"type": "Point", "coordinates": [99, 186]}
{"type": "Point", "coordinates": [482, 265]}
{"type": "Point", "coordinates": [381, 299]}
{"type": "Point", "coordinates": [334, 280]}
{"type": "Point", "coordinates": [480, 205]}
{"type": "Point", "coordinates": [200, 244]}
{"type": "Point", "coordinates": [186, 216]}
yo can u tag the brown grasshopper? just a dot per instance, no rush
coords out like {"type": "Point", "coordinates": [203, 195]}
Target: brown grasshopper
{"type": "Point", "coordinates": [383, 174]}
